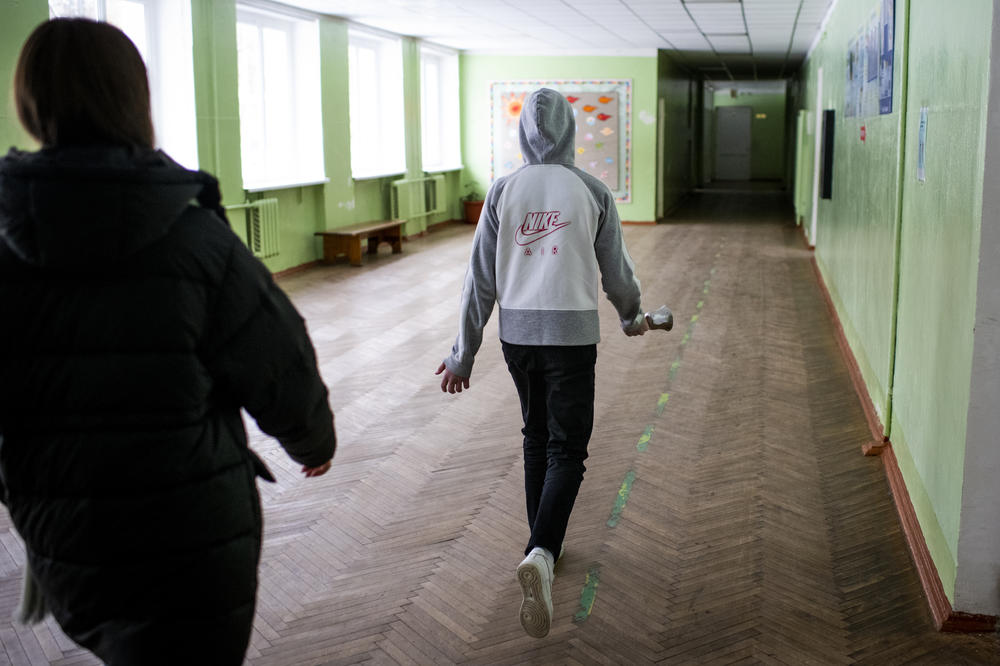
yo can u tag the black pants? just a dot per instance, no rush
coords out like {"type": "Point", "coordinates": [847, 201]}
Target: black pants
{"type": "Point", "coordinates": [556, 388]}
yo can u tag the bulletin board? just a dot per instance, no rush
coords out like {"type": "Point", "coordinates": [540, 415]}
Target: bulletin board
{"type": "Point", "coordinates": [869, 65]}
{"type": "Point", "coordinates": [603, 112]}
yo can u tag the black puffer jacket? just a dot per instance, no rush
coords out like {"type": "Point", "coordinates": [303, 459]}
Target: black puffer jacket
{"type": "Point", "coordinates": [135, 326]}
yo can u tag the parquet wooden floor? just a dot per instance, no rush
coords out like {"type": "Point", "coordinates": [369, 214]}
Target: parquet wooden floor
{"type": "Point", "coordinates": [727, 515]}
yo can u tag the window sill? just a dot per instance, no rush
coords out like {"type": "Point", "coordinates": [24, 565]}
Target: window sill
{"type": "Point", "coordinates": [268, 187]}
{"type": "Point", "coordinates": [443, 169]}
{"type": "Point", "coordinates": [376, 176]}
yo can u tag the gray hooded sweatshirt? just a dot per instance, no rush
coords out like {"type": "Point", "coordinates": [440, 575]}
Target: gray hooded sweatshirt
{"type": "Point", "coordinates": [548, 234]}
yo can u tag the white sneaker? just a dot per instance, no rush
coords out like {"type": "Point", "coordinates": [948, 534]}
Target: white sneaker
{"type": "Point", "coordinates": [535, 575]}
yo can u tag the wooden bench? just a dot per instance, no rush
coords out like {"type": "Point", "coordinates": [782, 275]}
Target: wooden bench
{"type": "Point", "coordinates": [347, 240]}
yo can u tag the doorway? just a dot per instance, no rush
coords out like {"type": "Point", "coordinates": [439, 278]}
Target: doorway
{"type": "Point", "coordinates": [732, 142]}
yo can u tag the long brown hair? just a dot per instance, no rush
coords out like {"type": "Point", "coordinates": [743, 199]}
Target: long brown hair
{"type": "Point", "coordinates": [82, 82]}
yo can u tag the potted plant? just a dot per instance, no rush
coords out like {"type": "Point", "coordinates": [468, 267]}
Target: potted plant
{"type": "Point", "coordinates": [472, 201]}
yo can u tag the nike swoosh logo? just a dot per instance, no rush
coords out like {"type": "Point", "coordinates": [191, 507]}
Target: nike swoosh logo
{"type": "Point", "coordinates": [526, 237]}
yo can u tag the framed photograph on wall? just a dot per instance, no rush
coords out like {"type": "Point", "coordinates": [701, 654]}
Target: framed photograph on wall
{"type": "Point", "coordinates": [603, 111]}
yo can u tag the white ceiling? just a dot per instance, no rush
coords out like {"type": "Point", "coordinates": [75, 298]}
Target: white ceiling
{"type": "Point", "coordinates": [723, 39]}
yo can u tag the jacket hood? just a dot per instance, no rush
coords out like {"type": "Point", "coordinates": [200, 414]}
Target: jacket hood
{"type": "Point", "coordinates": [85, 204]}
{"type": "Point", "coordinates": [547, 129]}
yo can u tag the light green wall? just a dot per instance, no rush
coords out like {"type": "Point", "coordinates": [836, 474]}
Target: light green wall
{"type": "Point", "coordinates": [767, 135]}
{"type": "Point", "coordinates": [856, 229]}
{"type": "Point", "coordinates": [477, 71]}
{"type": "Point", "coordinates": [915, 356]}
{"type": "Point", "coordinates": [939, 254]}
{"type": "Point", "coordinates": [213, 26]}
{"type": "Point", "coordinates": [681, 103]}
{"type": "Point", "coordinates": [18, 20]}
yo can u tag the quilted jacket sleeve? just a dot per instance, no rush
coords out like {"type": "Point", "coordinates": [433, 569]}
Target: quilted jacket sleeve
{"type": "Point", "coordinates": [260, 357]}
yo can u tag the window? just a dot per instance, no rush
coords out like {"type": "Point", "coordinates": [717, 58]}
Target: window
{"type": "Point", "coordinates": [376, 104]}
{"type": "Point", "coordinates": [281, 126]}
{"type": "Point", "coordinates": [161, 30]}
{"type": "Point", "coordinates": [440, 124]}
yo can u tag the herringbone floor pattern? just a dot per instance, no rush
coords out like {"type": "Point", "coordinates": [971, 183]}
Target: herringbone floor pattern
{"type": "Point", "coordinates": [727, 515]}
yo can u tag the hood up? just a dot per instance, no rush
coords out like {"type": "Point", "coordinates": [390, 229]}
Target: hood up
{"type": "Point", "coordinates": [73, 206]}
{"type": "Point", "coordinates": [547, 129]}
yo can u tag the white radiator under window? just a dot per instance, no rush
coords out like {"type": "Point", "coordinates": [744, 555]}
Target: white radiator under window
{"type": "Point", "coordinates": [416, 198]}
{"type": "Point", "coordinates": [261, 219]}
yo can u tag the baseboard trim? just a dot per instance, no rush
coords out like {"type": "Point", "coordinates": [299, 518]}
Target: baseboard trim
{"type": "Point", "coordinates": [639, 223]}
{"type": "Point", "coordinates": [871, 416]}
{"type": "Point", "coordinates": [295, 269]}
{"type": "Point", "coordinates": [944, 616]}
{"type": "Point", "coordinates": [444, 223]}
{"type": "Point", "coordinates": [805, 239]}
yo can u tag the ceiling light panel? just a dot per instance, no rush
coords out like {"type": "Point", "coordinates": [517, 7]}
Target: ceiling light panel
{"type": "Point", "coordinates": [718, 18]}
{"type": "Point", "coordinates": [687, 41]}
{"type": "Point", "coordinates": [730, 43]}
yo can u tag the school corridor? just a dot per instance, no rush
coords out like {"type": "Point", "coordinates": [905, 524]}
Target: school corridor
{"type": "Point", "coordinates": [727, 515]}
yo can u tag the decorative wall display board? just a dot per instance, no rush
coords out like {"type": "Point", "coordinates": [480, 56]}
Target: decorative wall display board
{"type": "Point", "coordinates": [885, 56]}
{"type": "Point", "coordinates": [603, 111]}
{"type": "Point", "coordinates": [868, 90]}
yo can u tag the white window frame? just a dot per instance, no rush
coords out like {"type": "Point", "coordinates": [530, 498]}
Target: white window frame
{"type": "Point", "coordinates": [165, 44]}
{"type": "Point", "coordinates": [281, 118]}
{"type": "Point", "coordinates": [378, 133]}
{"type": "Point", "coordinates": [440, 120]}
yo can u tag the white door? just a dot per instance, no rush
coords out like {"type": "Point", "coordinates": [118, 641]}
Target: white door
{"type": "Point", "coordinates": [732, 142]}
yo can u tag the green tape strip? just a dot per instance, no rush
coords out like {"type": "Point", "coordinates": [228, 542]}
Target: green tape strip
{"type": "Point", "coordinates": [673, 370]}
{"type": "Point", "coordinates": [643, 442]}
{"type": "Point", "coordinates": [623, 493]}
{"type": "Point", "coordinates": [589, 594]}
{"type": "Point", "coordinates": [662, 402]}
{"type": "Point", "coordinates": [700, 305]}
{"type": "Point", "coordinates": [694, 318]}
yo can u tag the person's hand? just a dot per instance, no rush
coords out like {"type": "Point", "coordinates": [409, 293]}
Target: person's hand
{"type": "Point", "coordinates": [319, 470]}
{"type": "Point", "coordinates": [637, 326]}
{"type": "Point", "coordinates": [451, 383]}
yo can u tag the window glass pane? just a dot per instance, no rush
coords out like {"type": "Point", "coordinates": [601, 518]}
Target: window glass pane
{"type": "Point", "coordinates": [161, 31]}
{"type": "Point", "coordinates": [440, 129]}
{"type": "Point", "coordinates": [251, 98]}
{"type": "Point", "coordinates": [281, 132]}
{"type": "Point", "coordinates": [376, 105]}
{"type": "Point", "coordinates": [131, 18]}
{"type": "Point", "coordinates": [61, 8]}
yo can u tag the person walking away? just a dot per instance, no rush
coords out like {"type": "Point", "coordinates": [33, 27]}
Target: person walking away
{"type": "Point", "coordinates": [136, 326]}
{"type": "Point", "coordinates": [548, 236]}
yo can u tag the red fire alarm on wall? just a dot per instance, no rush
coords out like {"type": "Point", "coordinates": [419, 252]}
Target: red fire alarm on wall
{"type": "Point", "coordinates": [863, 133]}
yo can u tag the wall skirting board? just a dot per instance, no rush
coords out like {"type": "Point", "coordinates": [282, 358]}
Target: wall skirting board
{"type": "Point", "coordinates": [945, 618]}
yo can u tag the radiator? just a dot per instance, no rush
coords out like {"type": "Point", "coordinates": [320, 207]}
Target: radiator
{"type": "Point", "coordinates": [416, 198]}
{"type": "Point", "coordinates": [261, 219]}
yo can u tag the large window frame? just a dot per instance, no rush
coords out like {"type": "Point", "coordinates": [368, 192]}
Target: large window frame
{"type": "Point", "coordinates": [440, 121]}
{"type": "Point", "coordinates": [378, 133]}
{"type": "Point", "coordinates": [161, 31]}
{"type": "Point", "coordinates": [281, 119]}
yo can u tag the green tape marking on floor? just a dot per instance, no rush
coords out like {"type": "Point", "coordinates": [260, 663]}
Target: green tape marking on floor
{"type": "Point", "coordinates": [712, 272]}
{"type": "Point", "coordinates": [623, 493]}
{"type": "Point", "coordinates": [589, 594]}
{"type": "Point", "coordinates": [684, 340]}
{"type": "Point", "coordinates": [700, 305]}
{"type": "Point", "coordinates": [694, 318]}
{"type": "Point", "coordinates": [673, 370]}
{"type": "Point", "coordinates": [643, 442]}
{"type": "Point", "coordinates": [661, 403]}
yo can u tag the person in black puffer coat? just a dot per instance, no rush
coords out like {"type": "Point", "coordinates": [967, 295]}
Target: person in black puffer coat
{"type": "Point", "coordinates": [135, 327]}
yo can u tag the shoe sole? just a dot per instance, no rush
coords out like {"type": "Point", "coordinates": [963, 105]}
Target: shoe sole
{"type": "Point", "coordinates": [535, 618]}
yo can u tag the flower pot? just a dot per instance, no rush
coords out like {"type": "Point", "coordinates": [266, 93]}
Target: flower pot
{"type": "Point", "coordinates": [473, 209]}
